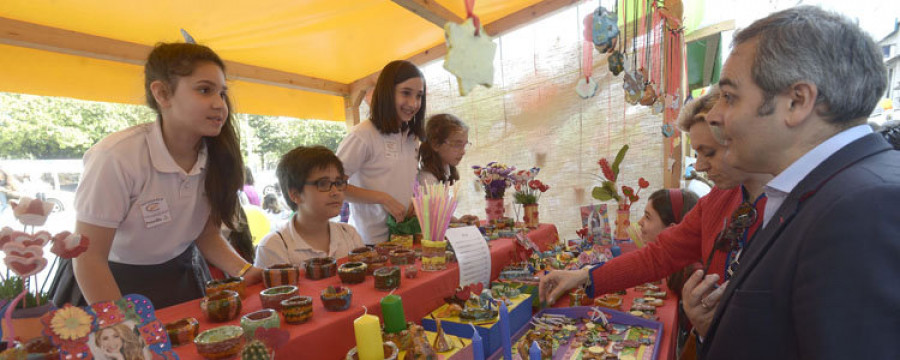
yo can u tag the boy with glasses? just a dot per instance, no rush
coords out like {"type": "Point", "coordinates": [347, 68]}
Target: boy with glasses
{"type": "Point", "coordinates": [312, 181]}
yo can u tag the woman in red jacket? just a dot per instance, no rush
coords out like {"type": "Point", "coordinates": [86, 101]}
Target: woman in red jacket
{"type": "Point", "coordinates": [713, 233]}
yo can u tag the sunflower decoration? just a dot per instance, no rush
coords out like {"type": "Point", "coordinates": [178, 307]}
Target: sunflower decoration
{"type": "Point", "coordinates": [71, 323]}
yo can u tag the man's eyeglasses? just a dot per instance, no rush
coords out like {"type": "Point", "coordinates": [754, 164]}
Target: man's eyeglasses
{"type": "Point", "coordinates": [324, 185]}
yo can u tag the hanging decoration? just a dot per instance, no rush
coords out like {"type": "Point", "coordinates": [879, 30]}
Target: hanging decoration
{"type": "Point", "coordinates": [604, 29]}
{"type": "Point", "coordinates": [586, 87]}
{"type": "Point", "coordinates": [470, 52]}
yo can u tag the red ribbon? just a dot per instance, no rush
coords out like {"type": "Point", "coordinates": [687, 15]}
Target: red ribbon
{"type": "Point", "coordinates": [470, 14]}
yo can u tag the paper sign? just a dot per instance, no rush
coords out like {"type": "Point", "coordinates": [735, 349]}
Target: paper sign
{"type": "Point", "coordinates": [472, 254]}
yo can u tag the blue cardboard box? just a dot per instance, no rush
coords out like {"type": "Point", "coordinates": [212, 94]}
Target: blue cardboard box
{"type": "Point", "coordinates": [519, 315]}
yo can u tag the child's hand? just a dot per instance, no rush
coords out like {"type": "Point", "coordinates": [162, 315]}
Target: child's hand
{"type": "Point", "coordinates": [394, 207]}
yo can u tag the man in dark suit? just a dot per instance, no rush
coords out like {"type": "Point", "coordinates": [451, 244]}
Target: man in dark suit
{"type": "Point", "coordinates": [819, 280]}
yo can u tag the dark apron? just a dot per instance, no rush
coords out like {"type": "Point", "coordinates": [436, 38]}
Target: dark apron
{"type": "Point", "coordinates": [172, 282]}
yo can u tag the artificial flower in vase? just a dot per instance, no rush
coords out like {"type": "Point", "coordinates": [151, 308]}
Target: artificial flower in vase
{"type": "Point", "coordinates": [494, 179]}
{"type": "Point", "coordinates": [608, 191]}
{"type": "Point", "coordinates": [528, 192]}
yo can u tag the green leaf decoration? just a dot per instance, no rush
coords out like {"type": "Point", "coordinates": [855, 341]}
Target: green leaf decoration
{"type": "Point", "coordinates": [619, 157]}
{"type": "Point", "coordinates": [611, 188]}
{"type": "Point", "coordinates": [601, 194]}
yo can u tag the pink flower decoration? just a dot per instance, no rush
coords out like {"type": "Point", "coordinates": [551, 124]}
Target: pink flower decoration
{"type": "Point", "coordinates": [68, 245]}
{"type": "Point", "coordinates": [30, 211]}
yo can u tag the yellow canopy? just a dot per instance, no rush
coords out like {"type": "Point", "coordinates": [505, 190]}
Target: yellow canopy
{"type": "Point", "coordinates": [292, 58]}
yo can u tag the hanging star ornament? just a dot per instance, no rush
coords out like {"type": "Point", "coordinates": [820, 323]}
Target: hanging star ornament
{"type": "Point", "coordinates": [469, 57]}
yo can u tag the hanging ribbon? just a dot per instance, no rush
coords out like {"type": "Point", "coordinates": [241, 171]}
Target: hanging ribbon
{"type": "Point", "coordinates": [11, 335]}
{"type": "Point", "coordinates": [587, 59]}
{"type": "Point", "coordinates": [470, 14]}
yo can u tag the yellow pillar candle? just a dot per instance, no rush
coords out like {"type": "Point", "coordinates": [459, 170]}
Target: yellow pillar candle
{"type": "Point", "coordinates": [369, 344]}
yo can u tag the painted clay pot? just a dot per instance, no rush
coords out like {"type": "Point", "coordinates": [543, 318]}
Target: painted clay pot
{"type": "Point", "coordinates": [387, 278]}
{"type": "Point", "coordinates": [320, 268]}
{"type": "Point", "coordinates": [360, 254]}
{"type": "Point", "coordinates": [234, 283]}
{"type": "Point", "coordinates": [405, 241]}
{"type": "Point", "coordinates": [403, 257]}
{"type": "Point", "coordinates": [281, 274]}
{"type": "Point", "coordinates": [265, 318]}
{"type": "Point", "coordinates": [297, 309]}
{"type": "Point", "coordinates": [385, 248]}
{"type": "Point", "coordinates": [183, 331]}
{"type": "Point", "coordinates": [271, 297]}
{"type": "Point", "coordinates": [220, 343]}
{"type": "Point", "coordinates": [336, 298]}
{"type": "Point", "coordinates": [352, 272]}
{"type": "Point", "coordinates": [411, 271]}
{"type": "Point", "coordinates": [376, 262]}
{"type": "Point", "coordinates": [222, 306]}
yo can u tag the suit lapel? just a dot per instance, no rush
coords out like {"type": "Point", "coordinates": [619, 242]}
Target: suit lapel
{"type": "Point", "coordinates": [765, 238]}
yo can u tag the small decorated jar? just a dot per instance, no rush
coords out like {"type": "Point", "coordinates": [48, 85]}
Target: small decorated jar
{"type": "Point", "coordinates": [375, 262]}
{"type": "Point", "coordinates": [403, 257]}
{"type": "Point", "coordinates": [297, 309]}
{"type": "Point", "coordinates": [320, 268]}
{"type": "Point", "coordinates": [386, 247]}
{"type": "Point", "coordinates": [265, 318]}
{"type": "Point", "coordinates": [281, 274]}
{"type": "Point", "coordinates": [271, 297]}
{"type": "Point", "coordinates": [336, 298]}
{"type": "Point", "coordinates": [360, 254]}
{"type": "Point", "coordinates": [183, 331]}
{"type": "Point", "coordinates": [234, 283]}
{"type": "Point", "coordinates": [387, 278]}
{"type": "Point", "coordinates": [411, 271]}
{"type": "Point", "coordinates": [352, 272]}
{"type": "Point", "coordinates": [222, 306]}
{"type": "Point", "coordinates": [405, 241]}
{"type": "Point", "coordinates": [220, 343]}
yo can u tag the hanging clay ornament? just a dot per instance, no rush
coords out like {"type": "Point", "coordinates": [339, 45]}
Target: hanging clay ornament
{"type": "Point", "coordinates": [633, 86]}
{"type": "Point", "coordinates": [649, 96]}
{"type": "Point", "coordinates": [605, 30]}
{"type": "Point", "coordinates": [586, 88]}
{"type": "Point", "coordinates": [668, 130]}
{"type": "Point", "coordinates": [470, 57]}
{"type": "Point", "coordinates": [658, 107]}
{"type": "Point", "coordinates": [616, 62]}
{"type": "Point", "coordinates": [674, 101]}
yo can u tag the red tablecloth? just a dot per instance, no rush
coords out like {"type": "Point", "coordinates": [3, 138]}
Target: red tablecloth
{"type": "Point", "coordinates": [329, 335]}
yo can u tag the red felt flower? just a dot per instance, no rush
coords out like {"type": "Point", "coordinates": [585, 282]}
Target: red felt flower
{"type": "Point", "coordinates": [628, 191]}
{"type": "Point", "coordinates": [643, 184]}
{"type": "Point", "coordinates": [68, 245]}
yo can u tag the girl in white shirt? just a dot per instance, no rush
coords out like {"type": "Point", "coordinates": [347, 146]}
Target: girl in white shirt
{"type": "Point", "coordinates": [446, 140]}
{"type": "Point", "coordinates": [153, 195]}
{"type": "Point", "coordinates": [313, 183]}
{"type": "Point", "coordinates": [380, 154]}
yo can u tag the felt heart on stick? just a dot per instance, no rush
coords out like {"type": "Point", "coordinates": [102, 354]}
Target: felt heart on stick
{"type": "Point", "coordinates": [39, 239]}
{"type": "Point", "coordinates": [25, 252]}
{"type": "Point", "coordinates": [25, 267]}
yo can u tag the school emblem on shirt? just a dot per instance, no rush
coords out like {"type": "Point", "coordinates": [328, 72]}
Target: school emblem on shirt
{"type": "Point", "coordinates": [155, 212]}
{"type": "Point", "coordinates": [391, 149]}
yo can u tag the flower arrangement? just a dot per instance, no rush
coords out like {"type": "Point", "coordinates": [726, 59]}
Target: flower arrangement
{"type": "Point", "coordinates": [528, 189]}
{"type": "Point", "coordinates": [25, 254]}
{"type": "Point", "coordinates": [494, 178]}
{"type": "Point", "coordinates": [607, 190]}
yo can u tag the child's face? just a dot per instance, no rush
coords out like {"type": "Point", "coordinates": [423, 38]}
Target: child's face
{"type": "Point", "coordinates": [651, 224]}
{"type": "Point", "coordinates": [312, 202]}
{"type": "Point", "coordinates": [408, 98]}
{"type": "Point", "coordinates": [198, 105]}
{"type": "Point", "coordinates": [452, 151]}
{"type": "Point", "coordinates": [110, 341]}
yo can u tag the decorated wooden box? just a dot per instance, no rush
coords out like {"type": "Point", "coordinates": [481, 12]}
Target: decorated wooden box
{"type": "Point", "coordinates": [489, 330]}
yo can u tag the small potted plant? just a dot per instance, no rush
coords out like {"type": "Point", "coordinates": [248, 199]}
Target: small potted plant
{"type": "Point", "coordinates": [528, 192]}
{"type": "Point", "coordinates": [607, 191]}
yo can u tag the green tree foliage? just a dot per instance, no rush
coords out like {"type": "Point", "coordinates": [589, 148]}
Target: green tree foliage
{"type": "Point", "coordinates": [39, 127]}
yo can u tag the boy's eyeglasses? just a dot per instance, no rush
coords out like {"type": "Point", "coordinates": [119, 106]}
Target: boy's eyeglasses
{"type": "Point", "coordinates": [324, 185]}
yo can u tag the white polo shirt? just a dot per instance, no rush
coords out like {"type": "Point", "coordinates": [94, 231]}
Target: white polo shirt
{"type": "Point", "coordinates": [290, 248]}
{"type": "Point", "coordinates": [376, 161]}
{"type": "Point", "coordinates": [132, 183]}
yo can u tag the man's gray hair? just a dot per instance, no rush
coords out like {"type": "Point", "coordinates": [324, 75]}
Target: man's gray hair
{"type": "Point", "coordinates": [806, 43]}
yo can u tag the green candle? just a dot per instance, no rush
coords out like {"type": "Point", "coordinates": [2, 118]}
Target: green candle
{"type": "Point", "coordinates": [392, 309]}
